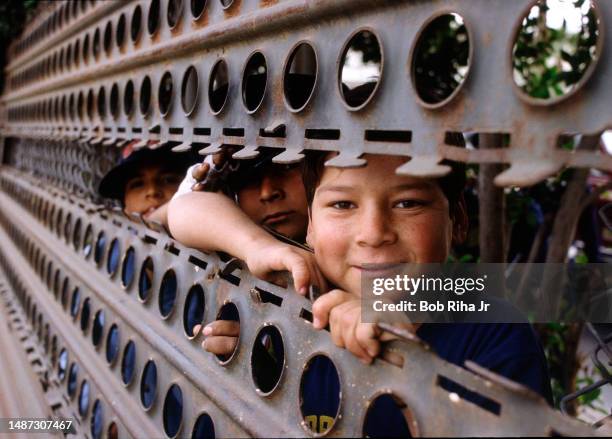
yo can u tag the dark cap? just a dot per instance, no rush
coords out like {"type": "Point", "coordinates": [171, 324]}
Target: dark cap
{"type": "Point", "coordinates": [244, 171]}
{"type": "Point", "coordinates": [113, 183]}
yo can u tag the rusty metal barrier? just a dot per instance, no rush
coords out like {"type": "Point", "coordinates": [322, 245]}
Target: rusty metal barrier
{"type": "Point", "coordinates": [105, 304]}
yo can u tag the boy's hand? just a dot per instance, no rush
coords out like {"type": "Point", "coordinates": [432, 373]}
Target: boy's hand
{"type": "Point", "coordinates": [264, 261]}
{"type": "Point", "coordinates": [221, 336]}
{"type": "Point", "coordinates": [342, 311]}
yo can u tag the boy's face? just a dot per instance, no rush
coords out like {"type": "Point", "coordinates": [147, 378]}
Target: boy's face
{"type": "Point", "coordinates": [151, 186]}
{"type": "Point", "coordinates": [276, 198]}
{"type": "Point", "coordinates": [370, 215]}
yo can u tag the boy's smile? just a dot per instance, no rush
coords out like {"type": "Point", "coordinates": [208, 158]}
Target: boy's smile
{"type": "Point", "coordinates": [370, 215]}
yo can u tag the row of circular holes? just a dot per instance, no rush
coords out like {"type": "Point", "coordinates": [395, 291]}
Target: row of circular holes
{"type": "Point", "coordinates": [61, 16]}
{"type": "Point", "coordinates": [203, 426]}
{"type": "Point", "coordinates": [68, 57]}
{"type": "Point", "coordinates": [252, 88]}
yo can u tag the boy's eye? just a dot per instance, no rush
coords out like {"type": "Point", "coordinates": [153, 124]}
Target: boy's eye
{"type": "Point", "coordinates": [135, 183]}
{"type": "Point", "coordinates": [409, 204]}
{"type": "Point", "coordinates": [170, 179]}
{"type": "Point", "coordinates": [342, 205]}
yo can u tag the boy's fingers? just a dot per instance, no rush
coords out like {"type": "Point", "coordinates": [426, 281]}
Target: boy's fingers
{"type": "Point", "coordinates": [367, 338]}
{"type": "Point", "coordinates": [322, 307]}
{"type": "Point", "coordinates": [220, 345]}
{"type": "Point", "coordinates": [200, 171]}
{"type": "Point", "coordinates": [196, 330]}
{"type": "Point", "coordinates": [222, 328]}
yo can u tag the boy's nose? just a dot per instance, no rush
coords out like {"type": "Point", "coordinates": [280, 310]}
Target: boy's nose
{"type": "Point", "coordinates": [154, 191]}
{"type": "Point", "coordinates": [269, 190]}
{"type": "Point", "coordinates": [375, 228]}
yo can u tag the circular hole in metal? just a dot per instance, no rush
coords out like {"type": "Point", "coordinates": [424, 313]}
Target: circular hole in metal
{"type": "Point", "coordinates": [108, 37]}
{"type": "Point", "coordinates": [77, 52]}
{"type": "Point", "coordinates": [120, 31]}
{"type": "Point", "coordinates": [114, 101]}
{"type": "Point", "coordinates": [86, 49]}
{"type": "Point", "coordinates": [90, 104]}
{"type": "Point", "coordinates": [360, 69]}
{"type": "Point", "coordinates": [84, 398]}
{"type": "Point", "coordinates": [62, 364]}
{"type": "Point", "coordinates": [100, 247]}
{"type": "Point", "coordinates": [69, 56]}
{"type": "Point", "coordinates": [320, 394]}
{"type": "Point", "coordinates": [65, 292]}
{"type": "Point", "coordinates": [197, 8]}
{"type": "Point", "coordinates": [80, 105]}
{"type": "Point", "coordinates": [556, 49]}
{"type": "Point", "coordinates": [76, 235]}
{"type": "Point", "coordinates": [173, 411]}
{"type": "Point", "coordinates": [218, 86]}
{"type": "Point", "coordinates": [174, 13]}
{"type": "Point", "coordinates": [68, 227]}
{"type": "Point", "coordinates": [203, 428]}
{"type": "Point", "coordinates": [254, 82]}
{"type": "Point", "coordinates": [145, 95]}
{"type": "Point", "coordinates": [102, 102]}
{"type": "Point", "coordinates": [167, 293]}
{"type": "Point", "coordinates": [136, 23]}
{"type": "Point", "coordinates": [88, 241]}
{"type": "Point", "coordinates": [112, 344]}
{"type": "Point", "coordinates": [85, 313]}
{"type": "Point", "coordinates": [72, 379]}
{"type": "Point", "coordinates": [267, 359]}
{"type": "Point", "coordinates": [148, 384]}
{"type": "Point", "coordinates": [441, 59]}
{"type": "Point", "coordinates": [128, 363]}
{"type": "Point", "coordinates": [113, 257]}
{"type": "Point", "coordinates": [127, 268]}
{"type": "Point", "coordinates": [388, 416]}
{"type": "Point", "coordinates": [153, 19]}
{"type": "Point", "coordinates": [165, 93]}
{"type": "Point", "coordinates": [75, 302]}
{"type": "Point", "coordinates": [98, 328]}
{"type": "Point", "coordinates": [226, 3]}
{"type": "Point", "coordinates": [128, 98]}
{"type": "Point", "coordinates": [193, 313]}
{"type": "Point", "coordinates": [300, 76]}
{"type": "Point", "coordinates": [56, 282]}
{"type": "Point", "coordinates": [113, 431]}
{"type": "Point", "coordinates": [145, 281]}
{"type": "Point", "coordinates": [189, 90]}
{"type": "Point", "coordinates": [71, 107]}
{"type": "Point", "coordinates": [97, 420]}
{"type": "Point", "coordinates": [228, 312]}
{"type": "Point", "coordinates": [96, 44]}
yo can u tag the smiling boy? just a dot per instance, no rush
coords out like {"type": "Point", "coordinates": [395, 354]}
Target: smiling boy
{"type": "Point", "coordinates": [371, 215]}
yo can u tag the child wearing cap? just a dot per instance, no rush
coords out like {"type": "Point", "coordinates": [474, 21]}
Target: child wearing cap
{"type": "Point", "coordinates": [144, 180]}
{"type": "Point", "coordinates": [264, 197]}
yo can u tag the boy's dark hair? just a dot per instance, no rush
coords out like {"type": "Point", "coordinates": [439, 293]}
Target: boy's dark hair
{"type": "Point", "coordinates": [452, 184]}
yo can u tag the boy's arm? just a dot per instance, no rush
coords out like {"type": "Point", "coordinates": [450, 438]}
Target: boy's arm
{"type": "Point", "coordinates": [210, 221]}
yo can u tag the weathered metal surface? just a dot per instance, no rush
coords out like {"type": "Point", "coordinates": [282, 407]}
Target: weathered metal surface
{"type": "Point", "coordinates": [53, 161]}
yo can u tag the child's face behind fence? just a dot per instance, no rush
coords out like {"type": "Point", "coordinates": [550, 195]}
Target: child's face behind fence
{"type": "Point", "coordinates": [276, 198]}
{"type": "Point", "coordinates": [152, 186]}
{"type": "Point", "coordinates": [371, 215]}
